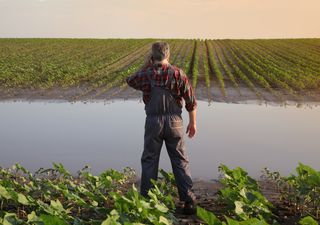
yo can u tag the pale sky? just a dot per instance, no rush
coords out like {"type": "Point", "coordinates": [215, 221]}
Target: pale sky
{"type": "Point", "coordinates": [160, 19]}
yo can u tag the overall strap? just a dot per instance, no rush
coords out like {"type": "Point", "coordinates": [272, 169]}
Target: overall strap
{"type": "Point", "coordinates": [162, 100]}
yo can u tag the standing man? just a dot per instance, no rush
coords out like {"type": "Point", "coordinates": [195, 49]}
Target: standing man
{"type": "Point", "coordinates": [164, 87]}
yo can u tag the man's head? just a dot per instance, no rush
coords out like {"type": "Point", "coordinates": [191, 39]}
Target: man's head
{"type": "Point", "coordinates": [160, 51]}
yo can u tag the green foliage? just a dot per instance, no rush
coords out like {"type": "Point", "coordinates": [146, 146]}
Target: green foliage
{"type": "Point", "coordinates": [44, 63]}
{"type": "Point", "coordinates": [301, 191]}
{"type": "Point", "coordinates": [207, 216]}
{"type": "Point", "coordinates": [242, 195]}
{"type": "Point", "coordinates": [52, 220]}
{"type": "Point", "coordinates": [211, 219]}
{"type": "Point", "coordinates": [308, 220]}
{"type": "Point", "coordinates": [214, 67]}
{"type": "Point", "coordinates": [55, 196]}
{"type": "Point", "coordinates": [195, 64]}
{"type": "Point", "coordinates": [289, 65]}
{"type": "Point", "coordinates": [56, 192]}
{"type": "Point", "coordinates": [133, 207]}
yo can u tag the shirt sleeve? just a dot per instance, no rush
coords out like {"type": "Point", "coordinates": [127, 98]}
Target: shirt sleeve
{"type": "Point", "coordinates": [187, 92]}
{"type": "Point", "coordinates": [135, 80]}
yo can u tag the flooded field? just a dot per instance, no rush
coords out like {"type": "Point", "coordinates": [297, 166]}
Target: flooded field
{"type": "Point", "coordinates": [110, 135]}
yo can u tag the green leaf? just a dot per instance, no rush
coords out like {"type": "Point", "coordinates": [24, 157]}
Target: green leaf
{"type": "Point", "coordinates": [57, 205]}
{"type": "Point", "coordinates": [22, 199]}
{"type": "Point", "coordinates": [34, 219]}
{"type": "Point", "coordinates": [232, 221]}
{"type": "Point", "coordinates": [207, 216]}
{"type": "Point", "coordinates": [308, 220]}
{"type": "Point", "coordinates": [162, 208]}
{"type": "Point", "coordinates": [11, 219]}
{"type": "Point", "coordinates": [4, 193]}
{"type": "Point", "coordinates": [252, 221]}
{"type": "Point", "coordinates": [239, 207]}
{"type": "Point", "coordinates": [112, 218]}
{"type": "Point", "coordinates": [95, 203]}
{"type": "Point", "coordinates": [164, 220]}
{"type": "Point", "coordinates": [52, 220]}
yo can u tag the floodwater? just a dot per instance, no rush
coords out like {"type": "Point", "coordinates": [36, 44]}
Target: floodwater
{"type": "Point", "coordinates": [110, 135]}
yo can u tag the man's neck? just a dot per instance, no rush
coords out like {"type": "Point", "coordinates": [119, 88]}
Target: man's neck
{"type": "Point", "coordinates": [165, 61]}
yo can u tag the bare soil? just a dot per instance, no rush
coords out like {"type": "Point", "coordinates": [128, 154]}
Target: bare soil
{"type": "Point", "coordinates": [124, 93]}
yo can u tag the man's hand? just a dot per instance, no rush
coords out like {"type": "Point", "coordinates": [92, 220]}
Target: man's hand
{"type": "Point", "coordinates": [192, 129]}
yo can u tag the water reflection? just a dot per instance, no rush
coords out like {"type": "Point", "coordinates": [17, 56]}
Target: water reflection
{"type": "Point", "coordinates": [110, 135]}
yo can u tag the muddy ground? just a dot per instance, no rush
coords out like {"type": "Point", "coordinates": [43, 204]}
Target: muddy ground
{"type": "Point", "coordinates": [211, 94]}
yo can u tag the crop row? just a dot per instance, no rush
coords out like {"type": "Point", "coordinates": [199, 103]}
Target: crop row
{"type": "Point", "coordinates": [277, 66]}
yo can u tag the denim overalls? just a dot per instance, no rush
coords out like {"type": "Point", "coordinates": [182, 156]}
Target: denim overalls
{"type": "Point", "coordinates": [164, 123]}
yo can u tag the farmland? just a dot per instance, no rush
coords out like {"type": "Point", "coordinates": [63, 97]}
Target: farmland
{"type": "Point", "coordinates": [55, 196]}
{"type": "Point", "coordinates": [220, 70]}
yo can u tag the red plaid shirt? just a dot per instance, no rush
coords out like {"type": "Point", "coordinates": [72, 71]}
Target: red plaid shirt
{"type": "Point", "coordinates": [179, 84]}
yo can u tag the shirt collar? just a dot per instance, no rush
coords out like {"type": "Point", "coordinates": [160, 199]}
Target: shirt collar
{"type": "Point", "coordinates": [159, 64]}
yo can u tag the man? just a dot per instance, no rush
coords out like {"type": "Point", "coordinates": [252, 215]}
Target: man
{"type": "Point", "coordinates": [164, 87]}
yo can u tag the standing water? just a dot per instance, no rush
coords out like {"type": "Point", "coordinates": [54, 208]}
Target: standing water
{"type": "Point", "coordinates": [110, 135]}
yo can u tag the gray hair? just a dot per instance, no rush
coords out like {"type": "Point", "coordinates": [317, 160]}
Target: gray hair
{"type": "Point", "coordinates": [160, 50]}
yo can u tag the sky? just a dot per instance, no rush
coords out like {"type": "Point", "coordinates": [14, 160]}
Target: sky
{"type": "Point", "coordinates": [211, 19]}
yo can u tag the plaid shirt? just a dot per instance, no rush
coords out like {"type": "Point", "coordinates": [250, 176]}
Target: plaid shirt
{"type": "Point", "coordinates": [179, 84]}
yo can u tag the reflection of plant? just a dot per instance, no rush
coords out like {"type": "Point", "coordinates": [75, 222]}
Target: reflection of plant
{"type": "Point", "coordinates": [302, 191]}
{"type": "Point", "coordinates": [242, 195]}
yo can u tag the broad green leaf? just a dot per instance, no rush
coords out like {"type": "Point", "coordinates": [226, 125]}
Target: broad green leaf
{"type": "Point", "coordinates": [232, 221]}
{"type": "Point", "coordinates": [22, 199]}
{"type": "Point", "coordinates": [252, 221]}
{"type": "Point", "coordinates": [164, 220]}
{"type": "Point", "coordinates": [112, 218]}
{"type": "Point", "coordinates": [34, 219]}
{"type": "Point", "coordinates": [56, 205]}
{"type": "Point", "coordinates": [308, 220]}
{"type": "Point", "coordinates": [94, 203]}
{"type": "Point", "coordinates": [161, 208]}
{"type": "Point", "coordinates": [239, 207]}
{"type": "Point", "coordinates": [4, 193]}
{"type": "Point", "coordinates": [127, 223]}
{"type": "Point", "coordinates": [207, 216]}
{"type": "Point", "coordinates": [11, 219]}
{"type": "Point", "coordinates": [52, 220]}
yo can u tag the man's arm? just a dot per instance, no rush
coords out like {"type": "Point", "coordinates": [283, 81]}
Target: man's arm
{"type": "Point", "coordinates": [192, 126]}
{"type": "Point", "coordinates": [190, 104]}
{"type": "Point", "coordinates": [135, 80]}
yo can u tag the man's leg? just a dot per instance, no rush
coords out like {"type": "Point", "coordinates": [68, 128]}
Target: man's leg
{"type": "Point", "coordinates": [175, 144]}
{"type": "Point", "coordinates": [153, 141]}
